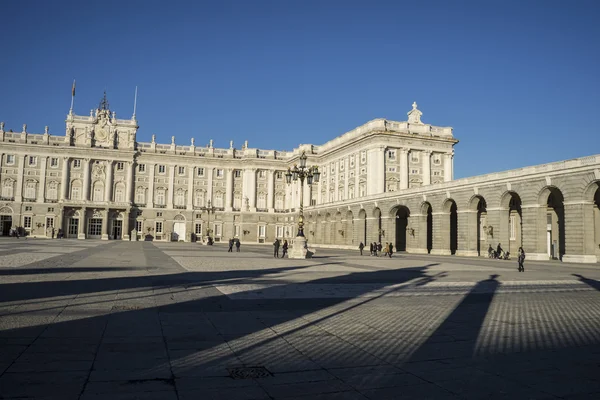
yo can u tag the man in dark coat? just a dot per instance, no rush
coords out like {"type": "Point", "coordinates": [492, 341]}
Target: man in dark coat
{"type": "Point", "coordinates": [276, 248]}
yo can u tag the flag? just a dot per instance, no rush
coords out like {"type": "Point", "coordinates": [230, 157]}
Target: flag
{"type": "Point", "coordinates": [73, 89]}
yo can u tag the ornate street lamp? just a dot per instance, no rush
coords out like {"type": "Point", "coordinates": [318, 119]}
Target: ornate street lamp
{"type": "Point", "coordinates": [209, 209]}
{"type": "Point", "coordinates": [310, 174]}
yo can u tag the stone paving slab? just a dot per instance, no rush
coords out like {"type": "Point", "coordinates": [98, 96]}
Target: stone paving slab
{"type": "Point", "coordinates": [127, 320]}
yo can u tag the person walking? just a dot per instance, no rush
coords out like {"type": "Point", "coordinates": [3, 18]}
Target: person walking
{"type": "Point", "coordinates": [361, 246]}
{"type": "Point", "coordinates": [230, 246]}
{"type": "Point", "coordinates": [276, 248]}
{"type": "Point", "coordinates": [52, 233]}
{"type": "Point", "coordinates": [379, 248]}
{"type": "Point", "coordinates": [386, 249]}
{"type": "Point", "coordinates": [391, 250]}
{"type": "Point", "coordinates": [521, 259]}
{"type": "Point", "coordinates": [371, 248]}
{"type": "Point", "coordinates": [237, 245]}
{"type": "Point", "coordinates": [285, 248]}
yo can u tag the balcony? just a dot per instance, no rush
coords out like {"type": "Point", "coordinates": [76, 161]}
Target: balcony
{"type": "Point", "coordinates": [160, 206]}
{"type": "Point", "coordinates": [179, 207]}
{"type": "Point", "coordinates": [139, 205]}
{"type": "Point", "coordinates": [219, 208]}
{"type": "Point", "coordinates": [5, 198]}
{"type": "Point", "coordinates": [262, 210]}
{"type": "Point", "coordinates": [28, 200]}
{"type": "Point", "coordinates": [51, 200]}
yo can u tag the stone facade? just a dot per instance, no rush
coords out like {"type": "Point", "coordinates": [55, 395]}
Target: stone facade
{"type": "Point", "coordinates": [383, 181]}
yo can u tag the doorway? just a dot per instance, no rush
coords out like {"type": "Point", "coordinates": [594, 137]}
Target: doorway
{"type": "Point", "coordinates": [117, 229]}
{"type": "Point", "coordinates": [73, 227]}
{"type": "Point", "coordinates": [179, 231]}
{"type": "Point", "coordinates": [5, 224]}
{"type": "Point", "coordinates": [95, 228]}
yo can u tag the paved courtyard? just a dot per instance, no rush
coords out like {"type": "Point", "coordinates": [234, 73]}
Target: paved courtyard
{"type": "Point", "coordinates": [141, 320]}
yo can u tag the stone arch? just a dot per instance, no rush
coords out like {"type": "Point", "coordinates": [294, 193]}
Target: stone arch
{"type": "Point", "coordinates": [511, 221]}
{"type": "Point", "coordinates": [377, 224]}
{"type": "Point", "coordinates": [119, 192]}
{"type": "Point", "coordinates": [554, 219]}
{"type": "Point", "coordinates": [426, 227]}
{"type": "Point", "coordinates": [402, 217]}
{"type": "Point", "coordinates": [349, 228]}
{"type": "Point", "coordinates": [362, 226]}
{"type": "Point", "coordinates": [179, 217]}
{"type": "Point", "coordinates": [76, 190]}
{"type": "Point", "coordinates": [6, 210]}
{"type": "Point", "coordinates": [477, 225]}
{"type": "Point", "coordinates": [338, 229]}
{"type": "Point", "coordinates": [327, 229]}
{"type": "Point", "coordinates": [593, 241]}
{"type": "Point", "coordinates": [98, 190]}
{"type": "Point", "coordinates": [449, 226]}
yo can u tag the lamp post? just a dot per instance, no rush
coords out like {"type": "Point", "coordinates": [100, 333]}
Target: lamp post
{"type": "Point", "coordinates": [209, 209]}
{"type": "Point", "coordinates": [310, 174]}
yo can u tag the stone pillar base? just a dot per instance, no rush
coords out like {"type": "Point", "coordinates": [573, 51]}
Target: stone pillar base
{"type": "Point", "coordinates": [440, 252]}
{"type": "Point", "coordinates": [299, 249]}
{"type": "Point", "coordinates": [467, 253]}
{"type": "Point", "coordinates": [81, 236]}
{"type": "Point", "coordinates": [126, 237]}
{"type": "Point", "coordinates": [580, 258]}
{"type": "Point", "coordinates": [536, 256]}
{"type": "Point", "coordinates": [104, 236]}
{"type": "Point", "coordinates": [414, 250]}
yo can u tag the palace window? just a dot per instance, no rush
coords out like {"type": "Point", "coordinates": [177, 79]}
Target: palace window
{"type": "Point", "coordinates": [180, 197]}
{"type": "Point", "coordinates": [200, 171]}
{"type": "Point", "coordinates": [237, 200]}
{"type": "Point", "coordinates": [159, 214]}
{"type": "Point", "coordinates": [142, 168]}
{"type": "Point", "coordinates": [279, 175]}
{"type": "Point", "coordinates": [362, 190]}
{"type": "Point", "coordinates": [32, 161]}
{"type": "Point", "coordinates": [219, 173]}
{"type": "Point", "coordinates": [236, 230]}
{"type": "Point", "coordinates": [342, 165]}
{"type": "Point", "coordinates": [218, 199]}
{"type": "Point", "coordinates": [75, 190]}
{"type": "Point", "coordinates": [28, 208]}
{"type": "Point", "coordinates": [119, 193]}
{"type": "Point", "coordinates": [52, 191]}
{"type": "Point", "coordinates": [120, 166]}
{"type": "Point", "coordinates": [437, 160]}
{"type": "Point", "coordinates": [27, 222]}
{"type": "Point", "coordinates": [262, 174]}
{"type": "Point", "coordinates": [53, 162]}
{"type": "Point", "coordinates": [262, 200]}
{"type": "Point", "coordinates": [140, 195]}
{"type": "Point", "coordinates": [158, 227]}
{"type": "Point", "coordinates": [363, 171]}
{"type": "Point", "coordinates": [237, 173]}
{"type": "Point", "coordinates": [160, 196]}
{"type": "Point", "coordinates": [414, 171]}
{"type": "Point", "coordinates": [199, 198]}
{"type": "Point", "coordinates": [10, 159]}
{"type": "Point", "coordinates": [30, 189]}
{"type": "Point", "coordinates": [161, 169]}
{"type": "Point", "coordinates": [181, 170]}
{"type": "Point", "coordinates": [7, 188]}
{"type": "Point", "coordinates": [414, 157]}
{"type": "Point", "coordinates": [50, 209]}
{"type": "Point", "coordinates": [98, 192]}
{"type": "Point", "coordinates": [392, 154]}
{"type": "Point", "coordinates": [391, 169]}
{"type": "Point", "coordinates": [279, 231]}
{"type": "Point", "coordinates": [198, 228]}
{"type": "Point", "coordinates": [138, 225]}
{"type": "Point", "coordinates": [49, 222]}
{"type": "Point", "coordinates": [262, 231]}
{"type": "Point", "coordinates": [363, 157]}
{"type": "Point", "coordinates": [513, 227]}
{"type": "Point", "coordinates": [76, 163]}
{"type": "Point", "coordinates": [279, 202]}
{"type": "Point", "coordinates": [436, 173]}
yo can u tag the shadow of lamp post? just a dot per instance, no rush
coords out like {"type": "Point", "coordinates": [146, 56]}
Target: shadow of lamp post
{"type": "Point", "coordinates": [303, 173]}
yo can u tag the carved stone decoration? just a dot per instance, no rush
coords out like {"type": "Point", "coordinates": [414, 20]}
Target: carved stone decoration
{"type": "Point", "coordinates": [98, 171]}
{"type": "Point", "coordinates": [6, 210]}
{"type": "Point", "coordinates": [414, 115]}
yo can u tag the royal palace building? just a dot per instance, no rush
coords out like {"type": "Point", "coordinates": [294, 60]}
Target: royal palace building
{"type": "Point", "coordinates": [384, 181]}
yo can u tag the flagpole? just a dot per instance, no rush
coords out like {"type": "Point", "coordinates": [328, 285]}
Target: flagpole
{"type": "Point", "coordinates": [135, 103]}
{"type": "Point", "coordinates": [72, 97]}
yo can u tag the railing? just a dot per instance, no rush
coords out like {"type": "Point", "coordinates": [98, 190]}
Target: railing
{"type": "Point", "coordinates": [5, 198]}
{"type": "Point", "coordinates": [139, 204]}
{"type": "Point", "coordinates": [262, 210]}
{"type": "Point", "coordinates": [160, 206]}
{"type": "Point", "coordinates": [179, 207]}
{"type": "Point", "coordinates": [28, 200]}
{"type": "Point", "coordinates": [51, 200]}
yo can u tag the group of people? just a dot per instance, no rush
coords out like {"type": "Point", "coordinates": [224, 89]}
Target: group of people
{"type": "Point", "coordinates": [284, 247]}
{"type": "Point", "coordinates": [376, 249]}
{"type": "Point", "coordinates": [20, 231]}
{"type": "Point", "coordinates": [233, 242]}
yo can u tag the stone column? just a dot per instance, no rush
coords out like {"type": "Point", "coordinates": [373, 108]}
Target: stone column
{"type": "Point", "coordinates": [252, 191]}
{"type": "Point", "coordinates": [403, 168]}
{"type": "Point", "coordinates": [209, 190]}
{"type": "Point", "coordinates": [229, 189]}
{"type": "Point", "coordinates": [19, 192]}
{"type": "Point", "coordinates": [82, 223]}
{"type": "Point", "coordinates": [441, 233]}
{"type": "Point", "coordinates": [346, 177]}
{"type": "Point", "coordinates": [150, 199]}
{"type": "Point", "coordinates": [126, 216]}
{"type": "Point", "coordinates": [42, 188]}
{"type": "Point", "coordinates": [105, 225]}
{"type": "Point", "coordinates": [467, 233]}
{"type": "Point", "coordinates": [319, 189]}
{"type": "Point", "coordinates": [357, 175]}
{"type": "Point", "coordinates": [336, 189]}
{"type": "Point", "coordinates": [427, 168]}
{"type": "Point", "coordinates": [417, 244]}
{"type": "Point", "coordinates": [579, 232]}
{"type": "Point", "coordinates": [129, 193]}
{"type": "Point", "coordinates": [64, 184]}
{"type": "Point", "coordinates": [170, 194]}
{"type": "Point", "coordinates": [190, 192]}
{"type": "Point", "coordinates": [497, 232]}
{"type": "Point", "coordinates": [270, 190]}
{"type": "Point", "coordinates": [448, 167]}
{"type": "Point", "coordinates": [381, 171]}
{"type": "Point", "coordinates": [109, 182]}
{"type": "Point", "coordinates": [86, 179]}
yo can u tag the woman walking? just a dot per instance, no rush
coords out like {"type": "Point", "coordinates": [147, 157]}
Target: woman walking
{"type": "Point", "coordinates": [521, 259]}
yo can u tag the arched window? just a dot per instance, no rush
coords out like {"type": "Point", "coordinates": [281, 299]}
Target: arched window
{"type": "Point", "coordinates": [180, 197]}
{"type": "Point", "coordinates": [279, 199]}
{"type": "Point", "coordinates": [30, 189]}
{"type": "Point", "coordinates": [218, 199]}
{"type": "Point", "coordinates": [75, 190]}
{"type": "Point", "coordinates": [119, 193]}
{"type": "Point", "coordinates": [140, 195]}
{"type": "Point", "coordinates": [52, 191]}
{"type": "Point", "coordinates": [8, 188]}
{"type": "Point", "coordinates": [199, 198]}
{"type": "Point", "coordinates": [237, 200]}
{"type": "Point", "coordinates": [98, 192]}
{"type": "Point", "coordinates": [160, 196]}
{"type": "Point", "coordinates": [262, 200]}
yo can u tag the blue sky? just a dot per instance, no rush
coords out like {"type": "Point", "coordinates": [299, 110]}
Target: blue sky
{"type": "Point", "coordinates": [517, 80]}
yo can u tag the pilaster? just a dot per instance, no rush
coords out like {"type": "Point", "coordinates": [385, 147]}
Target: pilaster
{"type": "Point", "coordinates": [86, 179]}
{"type": "Point", "coordinates": [150, 199]}
{"type": "Point", "coordinates": [441, 233]}
{"type": "Point", "coordinates": [42, 188]}
{"type": "Point", "coordinates": [64, 185]}
{"type": "Point", "coordinates": [109, 181]}
{"type": "Point", "coordinates": [170, 193]}
{"type": "Point", "coordinates": [129, 193]}
{"type": "Point", "coordinates": [21, 172]}
{"type": "Point", "coordinates": [403, 153]}
{"type": "Point", "coordinates": [190, 191]}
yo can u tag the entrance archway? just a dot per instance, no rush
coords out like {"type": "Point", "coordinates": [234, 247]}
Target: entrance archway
{"type": "Point", "coordinates": [554, 222]}
{"type": "Point", "coordinates": [402, 215]}
{"type": "Point", "coordinates": [362, 227]}
{"type": "Point", "coordinates": [511, 222]}
{"type": "Point", "coordinates": [478, 226]}
{"type": "Point", "coordinates": [5, 221]}
{"type": "Point", "coordinates": [377, 224]}
{"type": "Point", "coordinates": [179, 228]}
{"type": "Point", "coordinates": [596, 206]}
